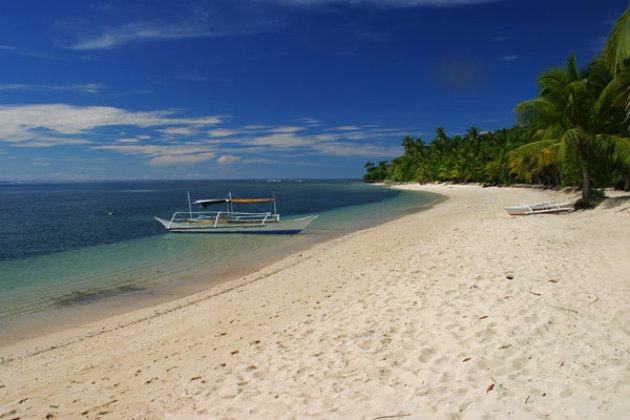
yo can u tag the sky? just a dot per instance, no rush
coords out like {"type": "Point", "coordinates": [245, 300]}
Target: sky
{"type": "Point", "coordinates": [242, 89]}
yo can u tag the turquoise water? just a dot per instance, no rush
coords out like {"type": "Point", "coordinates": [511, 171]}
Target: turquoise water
{"type": "Point", "coordinates": [120, 266]}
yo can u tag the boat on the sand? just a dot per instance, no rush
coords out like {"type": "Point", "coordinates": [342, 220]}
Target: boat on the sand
{"type": "Point", "coordinates": [227, 220]}
{"type": "Point", "coordinates": [538, 208]}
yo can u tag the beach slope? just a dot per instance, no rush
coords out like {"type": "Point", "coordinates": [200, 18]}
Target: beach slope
{"type": "Point", "coordinates": [458, 311]}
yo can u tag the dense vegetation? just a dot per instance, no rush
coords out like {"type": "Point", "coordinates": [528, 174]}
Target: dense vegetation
{"type": "Point", "coordinates": [575, 133]}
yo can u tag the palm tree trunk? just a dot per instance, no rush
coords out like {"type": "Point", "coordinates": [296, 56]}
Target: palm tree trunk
{"type": "Point", "coordinates": [586, 177]}
{"type": "Point", "coordinates": [586, 180]}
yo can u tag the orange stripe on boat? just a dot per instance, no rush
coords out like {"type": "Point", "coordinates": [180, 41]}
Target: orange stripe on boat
{"type": "Point", "coordinates": [250, 200]}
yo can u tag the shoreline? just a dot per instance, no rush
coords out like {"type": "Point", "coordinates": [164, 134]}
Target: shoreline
{"type": "Point", "coordinates": [415, 317]}
{"type": "Point", "coordinates": [96, 323]}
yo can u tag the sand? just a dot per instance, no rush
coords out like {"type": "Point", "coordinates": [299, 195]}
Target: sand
{"type": "Point", "coordinates": [459, 311]}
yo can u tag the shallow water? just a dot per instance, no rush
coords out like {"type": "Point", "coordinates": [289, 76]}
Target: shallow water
{"type": "Point", "coordinates": [74, 252]}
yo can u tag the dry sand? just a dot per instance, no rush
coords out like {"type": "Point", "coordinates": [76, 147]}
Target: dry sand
{"type": "Point", "coordinates": [460, 311]}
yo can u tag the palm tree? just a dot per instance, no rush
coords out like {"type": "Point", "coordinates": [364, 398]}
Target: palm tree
{"type": "Point", "coordinates": [617, 49]}
{"type": "Point", "coordinates": [570, 117]}
{"type": "Point", "coordinates": [616, 55]}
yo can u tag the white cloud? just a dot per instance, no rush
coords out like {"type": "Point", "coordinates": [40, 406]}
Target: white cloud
{"type": "Point", "coordinates": [287, 129]}
{"type": "Point", "coordinates": [222, 132]}
{"type": "Point", "coordinates": [309, 121]}
{"type": "Point", "coordinates": [227, 159]}
{"type": "Point", "coordinates": [177, 131]}
{"type": "Point", "coordinates": [152, 136]}
{"type": "Point", "coordinates": [6, 47]}
{"type": "Point", "coordinates": [255, 127]}
{"type": "Point", "coordinates": [346, 128]}
{"type": "Point", "coordinates": [24, 123]}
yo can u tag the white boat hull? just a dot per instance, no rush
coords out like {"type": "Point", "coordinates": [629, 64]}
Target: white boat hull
{"type": "Point", "coordinates": [527, 209]}
{"type": "Point", "coordinates": [268, 227]}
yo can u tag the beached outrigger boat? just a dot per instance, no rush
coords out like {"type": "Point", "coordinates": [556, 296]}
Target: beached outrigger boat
{"type": "Point", "coordinates": [546, 207]}
{"type": "Point", "coordinates": [230, 221]}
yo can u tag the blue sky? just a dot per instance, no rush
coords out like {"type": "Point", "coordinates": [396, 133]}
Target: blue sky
{"type": "Point", "coordinates": [150, 89]}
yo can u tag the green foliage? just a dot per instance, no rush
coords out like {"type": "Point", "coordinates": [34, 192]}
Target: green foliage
{"type": "Point", "coordinates": [617, 48]}
{"type": "Point", "coordinates": [475, 157]}
{"type": "Point", "coordinates": [575, 133]}
{"type": "Point", "coordinates": [375, 173]}
{"type": "Point", "coordinates": [574, 123]}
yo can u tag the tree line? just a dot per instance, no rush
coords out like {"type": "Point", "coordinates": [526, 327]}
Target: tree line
{"type": "Point", "coordinates": [575, 133]}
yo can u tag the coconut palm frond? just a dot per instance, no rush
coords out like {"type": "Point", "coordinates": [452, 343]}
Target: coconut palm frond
{"type": "Point", "coordinates": [543, 152]}
{"type": "Point", "coordinates": [571, 67]}
{"type": "Point", "coordinates": [576, 136]}
{"type": "Point", "coordinates": [553, 132]}
{"type": "Point", "coordinates": [609, 95]}
{"type": "Point", "coordinates": [530, 112]}
{"type": "Point", "coordinates": [617, 48]}
{"type": "Point", "coordinates": [619, 146]}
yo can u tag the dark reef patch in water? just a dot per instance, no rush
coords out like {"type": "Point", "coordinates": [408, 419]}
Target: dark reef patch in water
{"type": "Point", "coordinates": [82, 298]}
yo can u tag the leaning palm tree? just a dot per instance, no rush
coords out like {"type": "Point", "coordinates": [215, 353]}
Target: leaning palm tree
{"type": "Point", "coordinates": [570, 118]}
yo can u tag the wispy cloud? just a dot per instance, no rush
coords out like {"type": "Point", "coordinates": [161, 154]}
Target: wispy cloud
{"type": "Point", "coordinates": [177, 131]}
{"type": "Point", "coordinates": [509, 57]}
{"type": "Point", "coordinates": [78, 87]}
{"type": "Point", "coordinates": [142, 31]}
{"type": "Point", "coordinates": [309, 121]}
{"type": "Point", "coordinates": [6, 47]}
{"type": "Point", "coordinates": [166, 138]}
{"type": "Point", "coordinates": [160, 155]}
{"type": "Point", "coordinates": [290, 129]}
{"type": "Point", "coordinates": [500, 38]}
{"type": "Point", "coordinates": [24, 124]}
{"type": "Point", "coordinates": [186, 22]}
{"type": "Point", "coordinates": [227, 159]}
{"type": "Point", "coordinates": [222, 132]}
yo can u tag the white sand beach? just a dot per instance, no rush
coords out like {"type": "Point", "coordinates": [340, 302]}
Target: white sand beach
{"type": "Point", "coordinates": [459, 311]}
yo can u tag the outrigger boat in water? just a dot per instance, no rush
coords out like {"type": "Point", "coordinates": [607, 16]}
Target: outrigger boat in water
{"type": "Point", "coordinates": [546, 207]}
{"type": "Point", "coordinates": [230, 221]}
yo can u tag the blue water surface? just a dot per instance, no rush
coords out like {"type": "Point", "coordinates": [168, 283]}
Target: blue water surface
{"type": "Point", "coordinates": [95, 247]}
{"type": "Point", "coordinates": [46, 218]}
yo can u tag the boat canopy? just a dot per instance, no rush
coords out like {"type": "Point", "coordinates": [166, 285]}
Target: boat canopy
{"type": "Point", "coordinates": [210, 202]}
{"type": "Point", "coordinates": [206, 203]}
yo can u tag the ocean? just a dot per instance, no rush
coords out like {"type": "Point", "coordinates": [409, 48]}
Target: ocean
{"type": "Point", "coordinates": [75, 252]}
